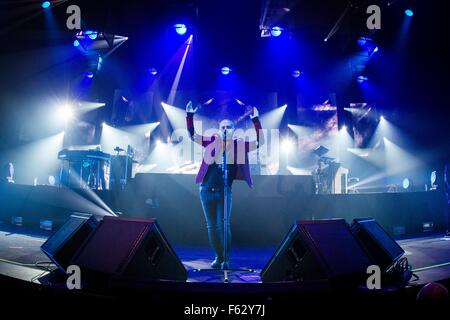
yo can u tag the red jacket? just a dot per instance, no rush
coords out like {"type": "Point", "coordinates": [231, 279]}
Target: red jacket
{"type": "Point", "coordinates": [243, 169]}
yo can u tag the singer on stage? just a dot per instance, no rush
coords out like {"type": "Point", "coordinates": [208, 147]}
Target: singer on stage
{"type": "Point", "coordinates": [211, 178]}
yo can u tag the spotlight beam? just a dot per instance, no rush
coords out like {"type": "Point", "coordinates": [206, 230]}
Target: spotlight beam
{"type": "Point", "coordinates": [86, 197]}
{"type": "Point", "coordinates": [44, 153]}
{"type": "Point", "coordinates": [338, 23]}
{"type": "Point", "coordinates": [272, 119]}
{"type": "Point", "coordinates": [175, 115]}
{"type": "Point", "coordinates": [301, 131]}
{"type": "Point", "coordinates": [86, 106]}
{"type": "Point", "coordinates": [141, 129]}
{"type": "Point", "coordinates": [397, 161]}
{"type": "Point", "coordinates": [112, 137]}
{"type": "Point", "coordinates": [173, 90]}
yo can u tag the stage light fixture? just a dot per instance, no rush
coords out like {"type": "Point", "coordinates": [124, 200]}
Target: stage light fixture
{"type": "Point", "coordinates": [239, 102]}
{"type": "Point", "coordinates": [276, 31]}
{"type": "Point", "coordinates": [65, 113]}
{"type": "Point", "coordinates": [433, 180]}
{"type": "Point", "coordinates": [180, 28]}
{"type": "Point", "coordinates": [287, 145]}
{"type": "Point", "coordinates": [76, 43]}
{"type": "Point", "coordinates": [361, 79]}
{"type": "Point", "coordinates": [45, 4]}
{"type": "Point", "coordinates": [153, 71]}
{"type": "Point", "coordinates": [433, 177]}
{"type": "Point", "coordinates": [407, 184]}
{"type": "Point", "coordinates": [91, 34]}
{"type": "Point", "coordinates": [367, 46]}
{"type": "Point", "coordinates": [99, 42]}
{"type": "Point", "coordinates": [409, 12]}
{"type": "Point", "coordinates": [362, 41]}
{"type": "Point", "coordinates": [51, 180]}
{"type": "Point", "coordinates": [265, 33]}
{"type": "Point", "coordinates": [89, 74]}
{"type": "Point", "coordinates": [296, 73]}
{"type": "Point", "coordinates": [225, 71]}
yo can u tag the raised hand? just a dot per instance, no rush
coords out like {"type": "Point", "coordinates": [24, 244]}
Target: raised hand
{"type": "Point", "coordinates": [255, 113]}
{"type": "Point", "coordinates": [190, 108]}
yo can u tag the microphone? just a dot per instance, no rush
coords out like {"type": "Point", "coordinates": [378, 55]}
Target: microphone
{"type": "Point", "coordinates": [224, 134]}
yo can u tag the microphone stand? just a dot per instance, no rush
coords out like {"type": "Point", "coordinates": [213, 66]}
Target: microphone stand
{"type": "Point", "coordinates": [226, 196]}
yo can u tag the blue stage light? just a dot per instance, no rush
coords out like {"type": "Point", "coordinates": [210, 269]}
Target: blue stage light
{"type": "Point", "coordinates": [361, 79]}
{"type": "Point", "coordinates": [368, 45]}
{"type": "Point", "coordinates": [409, 12]}
{"type": "Point", "coordinates": [91, 34]}
{"type": "Point", "coordinates": [276, 31]}
{"type": "Point", "coordinates": [153, 71]}
{"type": "Point", "coordinates": [362, 41]}
{"type": "Point", "coordinates": [76, 43]}
{"type": "Point", "coordinates": [89, 74]}
{"type": "Point", "coordinates": [180, 28]}
{"type": "Point", "coordinates": [296, 73]}
{"type": "Point", "coordinates": [225, 71]}
{"type": "Point", "coordinates": [45, 4]}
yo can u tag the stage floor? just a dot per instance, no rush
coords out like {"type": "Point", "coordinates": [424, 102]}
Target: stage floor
{"type": "Point", "coordinates": [430, 256]}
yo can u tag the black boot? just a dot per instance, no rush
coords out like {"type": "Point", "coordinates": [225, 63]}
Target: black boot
{"type": "Point", "coordinates": [216, 244]}
{"type": "Point", "coordinates": [217, 263]}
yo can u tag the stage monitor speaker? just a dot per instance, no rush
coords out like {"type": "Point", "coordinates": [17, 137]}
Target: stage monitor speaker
{"type": "Point", "coordinates": [378, 243]}
{"type": "Point", "coordinates": [64, 243]}
{"type": "Point", "coordinates": [126, 248]}
{"type": "Point", "coordinates": [318, 250]}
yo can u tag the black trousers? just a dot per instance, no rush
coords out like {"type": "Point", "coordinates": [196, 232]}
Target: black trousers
{"type": "Point", "coordinates": [213, 204]}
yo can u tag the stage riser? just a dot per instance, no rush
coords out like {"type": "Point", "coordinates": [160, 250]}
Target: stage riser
{"type": "Point", "coordinates": [260, 217]}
